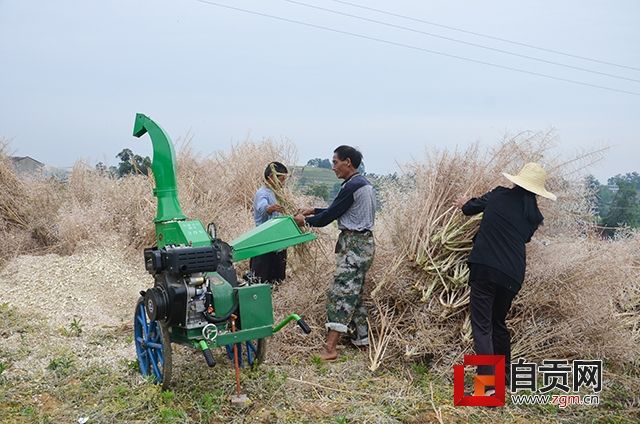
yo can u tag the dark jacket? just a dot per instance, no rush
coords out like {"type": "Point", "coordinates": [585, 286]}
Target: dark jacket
{"type": "Point", "coordinates": [353, 207]}
{"type": "Point", "coordinates": [511, 217]}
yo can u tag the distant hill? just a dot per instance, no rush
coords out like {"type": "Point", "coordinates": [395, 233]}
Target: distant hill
{"type": "Point", "coordinates": [310, 179]}
{"type": "Point", "coordinates": [309, 174]}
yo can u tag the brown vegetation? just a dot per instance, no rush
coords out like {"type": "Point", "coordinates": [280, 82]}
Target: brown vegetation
{"type": "Point", "coordinates": [581, 297]}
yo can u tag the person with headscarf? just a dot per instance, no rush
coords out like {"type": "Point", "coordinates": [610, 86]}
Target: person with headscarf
{"type": "Point", "coordinates": [269, 268]}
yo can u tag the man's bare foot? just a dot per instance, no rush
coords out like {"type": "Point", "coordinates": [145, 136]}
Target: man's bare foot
{"type": "Point", "coordinates": [326, 355]}
{"type": "Point", "coordinates": [330, 351]}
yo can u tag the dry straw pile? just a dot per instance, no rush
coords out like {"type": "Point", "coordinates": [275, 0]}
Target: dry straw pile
{"type": "Point", "coordinates": [25, 222]}
{"type": "Point", "coordinates": [581, 297]}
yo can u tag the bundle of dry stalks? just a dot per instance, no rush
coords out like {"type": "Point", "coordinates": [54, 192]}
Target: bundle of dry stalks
{"type": "Point", "coordinates": [13, 192]}
{"type": "Point", "coordinates": [221, 188]}
{"type": "Point", "coordinates": [13, 219]}
{"type": "Point", "coordinates": [217, 189]}
{"type": "Point", "coordinates": [27, 210]}
{"type": "Point", "coordinates": [100, 205]}
{"type": "Point", "coordinates": [581, 299]}
{"type": "Point", "coordinates": [429, 280]}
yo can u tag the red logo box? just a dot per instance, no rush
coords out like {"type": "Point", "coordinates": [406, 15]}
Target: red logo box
{"type": "Point", "coordinates": [480, 382]}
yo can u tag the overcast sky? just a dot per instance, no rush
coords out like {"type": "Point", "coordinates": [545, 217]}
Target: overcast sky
{"type": "Point", "coordinates": [74, 73]}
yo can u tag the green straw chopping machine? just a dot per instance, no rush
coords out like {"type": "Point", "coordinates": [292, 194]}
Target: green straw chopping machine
{"type": "Point", "coordinates": [197, 299]}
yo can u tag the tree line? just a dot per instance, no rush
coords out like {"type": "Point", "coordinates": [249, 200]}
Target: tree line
{"type": "Point", "coordinates": [615, 204]}
{"type": "Point", "coordinates": [130, 164]}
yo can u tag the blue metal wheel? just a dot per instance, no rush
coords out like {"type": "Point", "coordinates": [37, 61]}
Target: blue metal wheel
{"type": "Point", "coordinates": [153, 346]}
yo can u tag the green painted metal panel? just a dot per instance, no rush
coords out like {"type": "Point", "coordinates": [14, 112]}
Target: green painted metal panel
{"type": "Point", "coordinates": [183, 336]}
{"type": "Point", "coordinates": [256, 309]}
{"type": "Point", "coordinates": [187, 337]}
{"type": "Point", "coordinates": [195, 233]}
{"type": "Point", "coordinates": [222, 292]}
{"type": "Point", "coordinates": [275, 234]}
{"type": "Point", "coordinates": [243, 336]}
{"type": "Point", "coordinates": [169, 233]}
{"type": "Point", "coordinates": [187, 233]}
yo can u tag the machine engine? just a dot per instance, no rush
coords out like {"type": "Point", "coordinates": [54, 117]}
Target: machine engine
{"type": "Point", "coordinates": [181, 294]}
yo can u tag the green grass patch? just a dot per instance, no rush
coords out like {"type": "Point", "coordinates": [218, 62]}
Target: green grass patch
{"type": "Point", "coordinates": [62, 365]}
{"type": "Point", "coordinates": [320, 365]}
{"type": "Point", "coordinates": [171, 415]}
{"type": "Point", "coordinates": [12, 321]}
{"type": "Point", "coordinates": [212, 402]}
{"type": "Point", "coordinates": [74, 329]}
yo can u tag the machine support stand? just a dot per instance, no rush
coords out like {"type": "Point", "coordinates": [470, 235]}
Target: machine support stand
{"type": "Point", "coordinates": [238, 398]}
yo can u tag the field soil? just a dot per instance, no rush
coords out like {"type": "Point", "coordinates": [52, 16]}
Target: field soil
{"type": "Point", "coordinates": [67, 355]}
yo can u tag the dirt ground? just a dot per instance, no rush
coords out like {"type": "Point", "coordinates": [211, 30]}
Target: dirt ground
{"type": "Point", "coordinates": [67, 355]}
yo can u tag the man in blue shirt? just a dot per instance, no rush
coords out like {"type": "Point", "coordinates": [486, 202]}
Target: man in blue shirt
{"type": "Point", "coordinates": [354, 209]}
{"type": "Point", "coordinates": [271, 267]}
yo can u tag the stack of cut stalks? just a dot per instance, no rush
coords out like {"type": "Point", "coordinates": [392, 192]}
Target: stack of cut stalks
{"type": "Point", "coordinates": [428, 283]}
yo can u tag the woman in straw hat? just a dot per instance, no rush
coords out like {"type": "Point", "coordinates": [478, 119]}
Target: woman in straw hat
{"type": "Point", "coordinates": [497, 260]}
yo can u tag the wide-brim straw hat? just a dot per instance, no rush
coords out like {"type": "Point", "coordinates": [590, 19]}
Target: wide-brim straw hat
{"type": "Point", "coordinates": [532, 177]}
